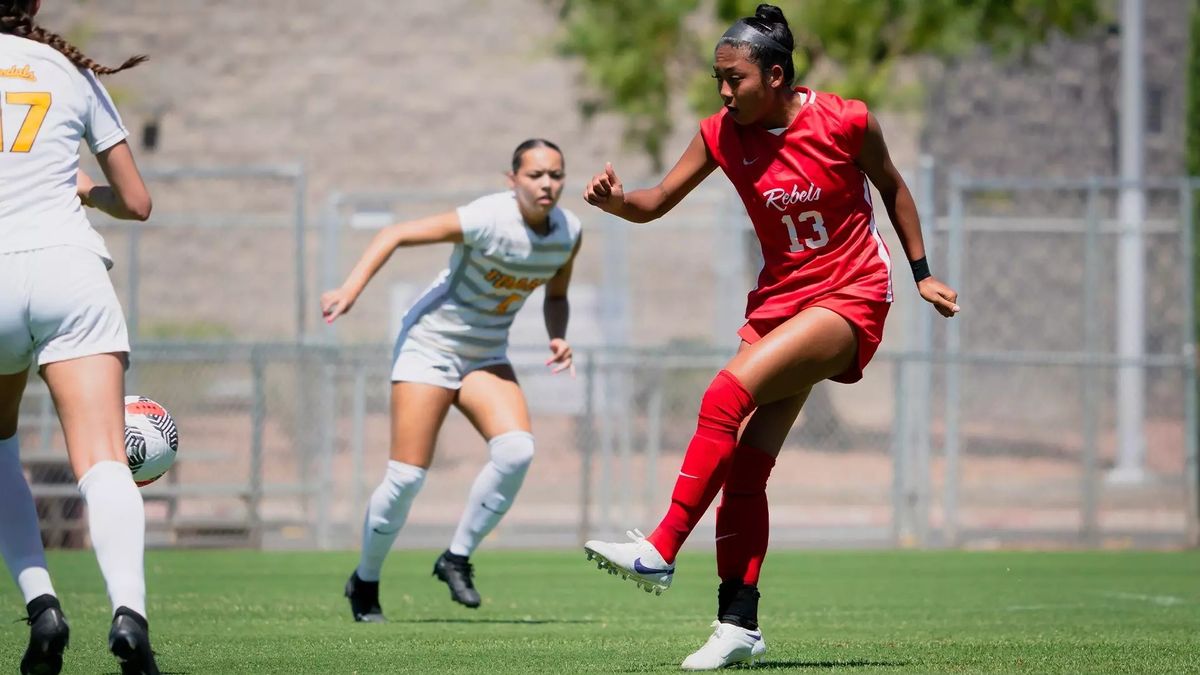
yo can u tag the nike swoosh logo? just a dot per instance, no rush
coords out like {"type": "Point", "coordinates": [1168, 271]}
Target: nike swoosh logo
{"type": "Point", "coordinates": [687, 475]}
{"type": "Point", "coordinates": [726, 536]}
{"type": "Point", "coordinates": [488, 508]}
{"type": "Point", "coordinates": [642, 569]}
{"type": "Point", "coordinates": [756, 636]}
{"type": "Point", "coordinates": [748, 162]}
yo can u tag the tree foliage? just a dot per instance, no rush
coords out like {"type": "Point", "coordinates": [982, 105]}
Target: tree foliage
{"type": "Point", "coordinates": [639, 55]}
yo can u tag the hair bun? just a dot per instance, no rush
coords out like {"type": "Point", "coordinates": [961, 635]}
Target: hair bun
{"type": "Point", "coordinates": [770, 14]}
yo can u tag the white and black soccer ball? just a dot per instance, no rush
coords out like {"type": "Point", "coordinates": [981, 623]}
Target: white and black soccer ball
{"type": "Point", "coordinates": [151, 439]}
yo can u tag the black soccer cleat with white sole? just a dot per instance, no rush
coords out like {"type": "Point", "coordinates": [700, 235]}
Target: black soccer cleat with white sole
{"type": "Point", "coordinates": [364, 600]}
{"type": "Point", "coordinates": [129, 641]}
{"type": "Point", "coordinates": [48, 637]}
{"type": "Point", "coordinates": [459, 575]}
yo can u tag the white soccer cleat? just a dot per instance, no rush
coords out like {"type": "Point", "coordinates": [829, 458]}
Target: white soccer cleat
{"type": "Point", "coordinates": [637, 560]}
{"type": "Point", "coordinates": [728, 645]}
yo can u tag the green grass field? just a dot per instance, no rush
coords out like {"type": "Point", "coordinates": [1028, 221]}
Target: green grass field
{"type": "Point", "coordinates": [552, 612]}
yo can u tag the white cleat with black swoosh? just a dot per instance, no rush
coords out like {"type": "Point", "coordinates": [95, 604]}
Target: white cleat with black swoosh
{"type": "Point", "coordinates": [728, 645]}
{"type": "Point", "coordinates": [638, 561]}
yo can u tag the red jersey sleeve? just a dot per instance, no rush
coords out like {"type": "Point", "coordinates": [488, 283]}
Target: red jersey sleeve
{"type": "Point", "coordinates": [710, 131]}
{"type": "Point", "coordinates": [853, 126]}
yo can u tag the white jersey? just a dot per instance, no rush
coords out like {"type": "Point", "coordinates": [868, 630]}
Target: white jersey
{"type": "Point", "coordinates": [470, 307]}
{"type": "Point", "coordinates": [47, 106]}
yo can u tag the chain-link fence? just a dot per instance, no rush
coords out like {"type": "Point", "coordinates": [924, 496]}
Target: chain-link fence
{"type": "Point", "coordinates": [1027, 384]}
{"type": "Point", "coordinates": [225, 256]}
{"type": "Point", "coordinates": [224, 259]}
{"type": "Point", "coordinates": [996, 426]}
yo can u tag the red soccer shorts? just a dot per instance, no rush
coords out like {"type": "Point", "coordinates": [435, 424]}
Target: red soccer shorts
{"type": "Point", "coordinates": [866, 316]}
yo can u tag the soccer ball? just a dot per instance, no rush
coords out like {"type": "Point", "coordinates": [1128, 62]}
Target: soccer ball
{"type": "Point", "coordinates": [151, 439]}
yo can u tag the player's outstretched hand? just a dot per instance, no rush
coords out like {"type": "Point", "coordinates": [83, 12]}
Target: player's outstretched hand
{"type": "Point", "coordinates": [336, 303]}
{"type": "Point", "coordinates": [560, 357]}
{"type": "Point", "coordinates": [944, 298]}
{"type": "Point", "coordinates": [605, 190]}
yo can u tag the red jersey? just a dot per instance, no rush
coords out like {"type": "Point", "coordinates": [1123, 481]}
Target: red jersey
{"type": "Point", "coordinates": [809, 203]}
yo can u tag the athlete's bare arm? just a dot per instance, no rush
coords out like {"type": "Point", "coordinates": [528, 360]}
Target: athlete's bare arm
{"type": "Point", "coordinates": [557, 312]}
{"type": "Point", "coordinates": [640, 206]}
{"type": "Point", "coordinates": [442, 228]}
{"type": "Point", "coordinates": [875, 161]}
{"type": "Point", "coordinates": [125, 196]}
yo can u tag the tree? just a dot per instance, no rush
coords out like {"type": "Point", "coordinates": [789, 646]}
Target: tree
{"type": "Point", "coordinates": [639, 55]}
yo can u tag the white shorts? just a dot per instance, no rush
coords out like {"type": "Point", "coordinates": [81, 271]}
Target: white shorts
{"type": "Point", "coordinates": [415, 362]}
{"type": "Point", "coordinates": [56, 304]}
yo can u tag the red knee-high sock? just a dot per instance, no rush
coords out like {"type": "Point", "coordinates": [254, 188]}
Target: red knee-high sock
{"type": "Point", "coordinates": [725, 404]}
{"type": "Point", "coordinates": [743, 524]}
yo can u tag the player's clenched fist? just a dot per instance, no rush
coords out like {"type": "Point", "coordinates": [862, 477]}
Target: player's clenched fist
{"type": "Point", "coordinates": [605, 190]}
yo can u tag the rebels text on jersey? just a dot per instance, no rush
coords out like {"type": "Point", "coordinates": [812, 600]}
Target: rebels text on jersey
{"type": "Point", "coordinates": [809, 203]}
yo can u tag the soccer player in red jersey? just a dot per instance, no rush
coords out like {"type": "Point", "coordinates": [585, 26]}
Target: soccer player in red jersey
{"type": "Point", "coordinates": [800, 160]}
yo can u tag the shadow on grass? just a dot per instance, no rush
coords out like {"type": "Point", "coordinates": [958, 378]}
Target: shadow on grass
{"type": "Point", "coordinates": [789, 665]}
{"type": "Point", "coordinates": [853, 663]}
{"type": "Point", "coordinates": [514, 622]}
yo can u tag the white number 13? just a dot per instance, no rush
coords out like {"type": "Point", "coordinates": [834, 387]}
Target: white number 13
{"type": "Point", "coordinates": [818, 225]}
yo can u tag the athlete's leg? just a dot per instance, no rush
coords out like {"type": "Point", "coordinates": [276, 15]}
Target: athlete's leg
{"type": "Point", "coordinates": [89, 395]}
{"type": "Point", "coordinates": [12, 388]}
{"type": "Point", "coordinates": [743, 525]}
{"type": "Point", "coordinates": [21, 542]}
{"type": "Point", "coordinates": [20, 537]}
{"type": "Point", "coordinates": [492, 400]}
{"type": "Point", "coordinates": [742, 533]}
{"type": "Point", "coordinates": [418, 410]}
{"type": "Point", "coordinates": [812, 346]}
{"type": "Point", "coordinates": [743, 520]}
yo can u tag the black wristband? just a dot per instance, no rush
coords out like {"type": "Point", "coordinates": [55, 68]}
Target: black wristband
{"type": "Point", "coordinates": [920, 269]}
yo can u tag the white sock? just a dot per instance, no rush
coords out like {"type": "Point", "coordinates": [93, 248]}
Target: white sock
{"type": "Point", "coordinates": [20, 538]}
{"type": "Point", "coordinates": [386, 514]}
{"type": "Point", "coordinates": [117, 524]}
{"type": "Point", "coordinates": [494, 490]}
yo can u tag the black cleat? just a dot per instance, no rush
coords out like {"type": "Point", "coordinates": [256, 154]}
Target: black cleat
{"type": "Point", "coordinates": [458, 574]}
{"type": "Point", "coordinates": [129, 641]}
{"type": "Point", "coordinates": [364, 600]}
{"type": "Point", "coordinates": [48, 637]}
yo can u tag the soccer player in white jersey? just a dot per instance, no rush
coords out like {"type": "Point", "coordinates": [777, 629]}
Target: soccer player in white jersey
{"type": "Point", "coordinates": [452, 351]}
{"type": "Point", "coordinates": [58, 310]}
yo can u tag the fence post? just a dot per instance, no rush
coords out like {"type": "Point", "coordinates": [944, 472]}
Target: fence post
{"type": "Point", "coordinates": [258, 413]}
{"type": "Point", "coordinates": [654, 431]}
{"type": "Point", "coordinates": [921, 391]}
{"type": "Point", "coordinates": [951, 444]}
{"type": "Point", "coordinates": [902, 488]}
{"type": "Point", "coordinates": [625, 422]}
{"type": "Point", "coordinates": [1091, 260]}
{"type": "Point", "coordinates": [330, 253]}
{"type": "Point", "coordinates": [1191, 427]}
{"type": "Point", "coordinates": [585, 438]}
{"type": "Point", "coordinates": [299, 196]}
{"type": "Point", "coordinates": [358, 416]}
{"type": "Point", "coordinates": [327, 420]}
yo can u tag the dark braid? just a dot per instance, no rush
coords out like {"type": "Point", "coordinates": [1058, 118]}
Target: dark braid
{"type": "Point", "coordinates": [15, 20]}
